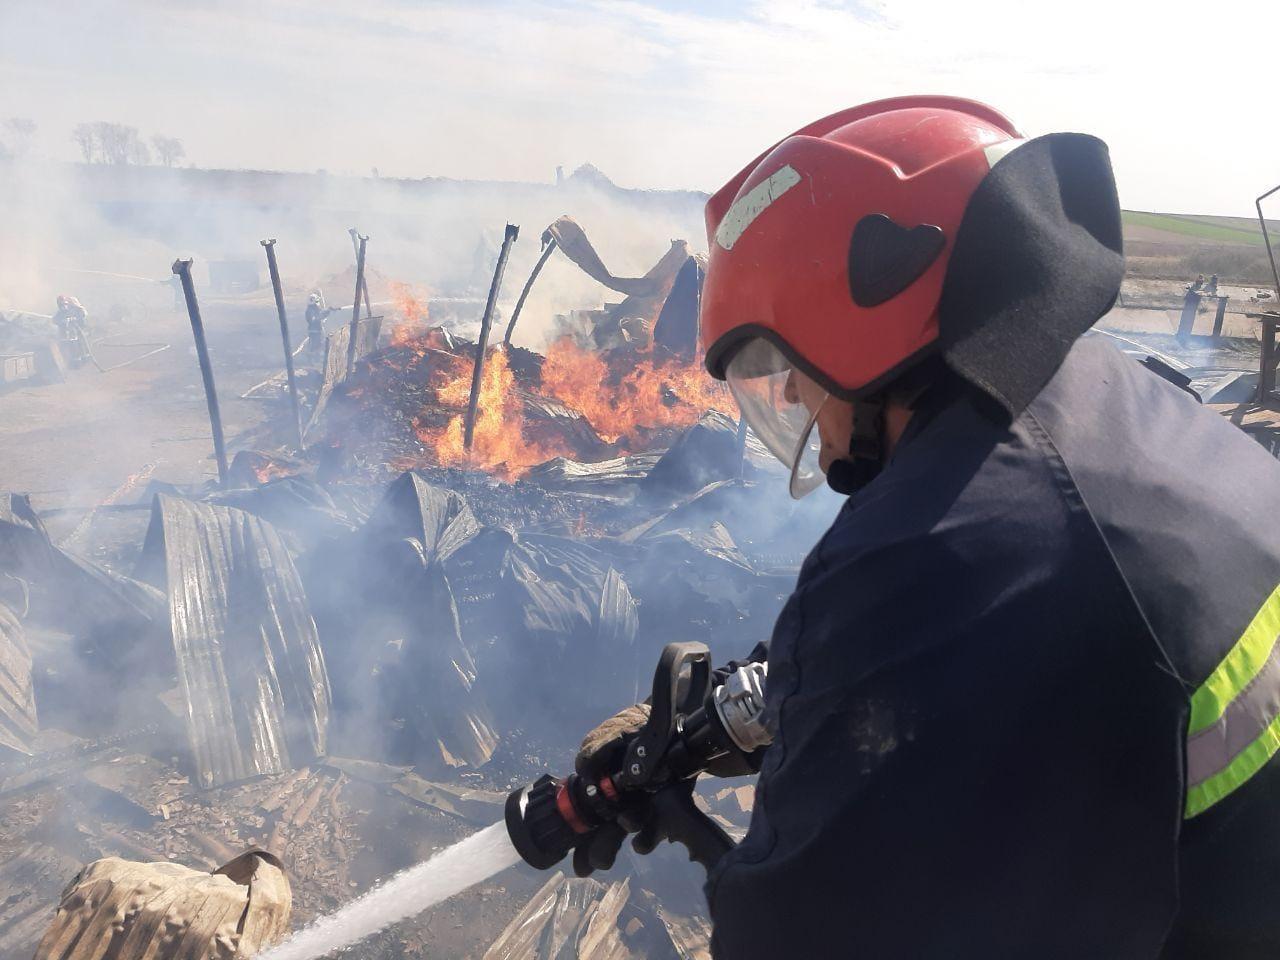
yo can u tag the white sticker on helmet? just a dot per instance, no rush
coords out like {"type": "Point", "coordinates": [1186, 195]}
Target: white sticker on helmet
{"type": "Point", "coordinates": [998, 151]}
{"type": "Point", "coordinates": [753, 203]}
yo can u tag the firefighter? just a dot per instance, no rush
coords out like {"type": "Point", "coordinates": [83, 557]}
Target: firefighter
{"type": "Point", "coordinates": [1026, 693]}
{"type": "Point", "coordinates": [72, 321]}
{"type": "Point", "coordinates": [316, 314]}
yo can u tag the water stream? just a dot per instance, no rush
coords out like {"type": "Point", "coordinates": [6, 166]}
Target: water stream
{"type": "Point", "coordinates": [409, 892]}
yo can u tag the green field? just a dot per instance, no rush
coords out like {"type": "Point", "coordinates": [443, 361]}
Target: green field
{"type": "Point", "coordinates": [1234, 230]}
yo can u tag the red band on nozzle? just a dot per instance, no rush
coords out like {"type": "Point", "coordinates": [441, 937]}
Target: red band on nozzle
{"type": "Point", "coordinates": [564, 803]}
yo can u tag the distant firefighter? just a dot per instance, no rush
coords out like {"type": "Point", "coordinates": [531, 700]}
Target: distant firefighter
{"type": "Point", "coordinates": [72, 321]}
{"type": "Point", "coordinates": [316, 314]}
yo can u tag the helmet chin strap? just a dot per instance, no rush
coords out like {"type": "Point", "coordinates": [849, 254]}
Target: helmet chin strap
{"type": "Point", "coordinates": [866, 449]}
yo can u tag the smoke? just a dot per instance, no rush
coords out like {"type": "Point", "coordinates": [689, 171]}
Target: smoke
{"type": "Point", "coordinates": [102, 232]}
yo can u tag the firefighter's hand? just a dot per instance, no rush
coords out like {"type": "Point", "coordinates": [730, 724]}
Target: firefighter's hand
{"type": "Point", "coordinates": [603, 748]}
{"type": "Point", "coordinates": [601, 755]}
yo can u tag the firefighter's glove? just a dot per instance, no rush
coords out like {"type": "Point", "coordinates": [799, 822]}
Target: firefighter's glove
{"type": "Point", "coordinates": [605, 747]}
{"type": "Point", "coordinates": [600, 756]}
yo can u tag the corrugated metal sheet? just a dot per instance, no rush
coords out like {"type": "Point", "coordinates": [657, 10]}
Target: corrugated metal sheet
{"type": "Point", "coordinates": [117, 909]}
{"type": "Point", "coordinates": [18, 724]}
{"type": "Point", "coordinates": [408, 602]}
{"type": "Point", "coordinates": [335, 360]}
{"type": "Point", "coordinates": [248, 653]}
{"type": "Point", "coordinates": [113, 614]}
{"type": "Point", "coordinates": [568, 919]}
{"type": "Point", "coordinates": [439, 519]}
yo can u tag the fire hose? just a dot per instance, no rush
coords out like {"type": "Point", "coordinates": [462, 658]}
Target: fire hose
{"type": "Point", "coordinates": [692, 722]}
{"type": "Point", "coordinates": [152, 348]}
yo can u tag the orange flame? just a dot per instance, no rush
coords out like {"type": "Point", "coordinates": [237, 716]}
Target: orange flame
{"type": "Point", "coordinates": [666, 393]}
{"type": "Point", "coordinates": [498, 442]}
{"type": "Point", "coordinates": [411, 311]}
{"type": "Point", "coordinates": [270, 470]}
{"type": "Point", "coordinates": [625, 396]}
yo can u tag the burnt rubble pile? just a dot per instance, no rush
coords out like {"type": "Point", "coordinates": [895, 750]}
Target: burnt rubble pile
{"type": "Point", "coordinates": [351, 673]}
{"type": "Point", "coordinates": [402, 403]}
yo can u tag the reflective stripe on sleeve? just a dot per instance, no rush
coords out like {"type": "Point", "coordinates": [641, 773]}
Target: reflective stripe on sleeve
{"type": "Point", "coordinates": [1234, 727]}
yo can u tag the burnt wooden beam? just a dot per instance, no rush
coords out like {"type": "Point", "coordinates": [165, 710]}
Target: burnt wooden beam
{"type": "Point", "coordinates": [182, 268]}
{"type": "Point", "coordinates": [355, 303]}
{"type": "Point", "coordinates": [274, 270]}
{"type": "Point", "coordinates": [486, 322]}
{"type": "Point", "coordinates": [548, 248]}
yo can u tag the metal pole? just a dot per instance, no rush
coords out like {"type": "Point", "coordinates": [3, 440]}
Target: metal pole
{"type": "Point", "coordinates": [547, 250]}
{"type": "Point", "coordinates": [274, 270]}
{"type": "Point", "coordinates": [1275, 275]}
{"type": "Point", "coordinates": [1219, 317]}
{"type": "Point", "coordinates": [485, 323]}
{"type": "Point", "coordinates": [355, 305]}
{"type": "Point", "coordinates": [183, 270]}
{"type": "Point", "coordinates": [355, 245]}
{"type": "Point", "coordinates": [1267, 367]}
{"type": "Point", "coordinates": [1189, 307]}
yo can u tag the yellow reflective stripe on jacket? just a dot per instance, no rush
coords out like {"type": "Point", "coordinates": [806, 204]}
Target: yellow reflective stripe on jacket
{"type": "Point", "coordinates": [1234, 728]}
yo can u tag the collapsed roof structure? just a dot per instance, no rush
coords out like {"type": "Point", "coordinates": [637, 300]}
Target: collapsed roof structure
{"type": "Point", "coordinates": [347, 654]}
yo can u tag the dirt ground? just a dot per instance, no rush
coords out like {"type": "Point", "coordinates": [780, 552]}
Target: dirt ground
{"type": "Point", "coordinates": [72, 445]}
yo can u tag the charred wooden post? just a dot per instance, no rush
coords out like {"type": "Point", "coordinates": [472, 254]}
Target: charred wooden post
{"type": "Point", "coordinates": [1190, 304]}
{"type": "Point", "coordinates": [183, 270]}
{"type": "Point", "coordinates": [548, 248]}
{"type": "Point", "coordinates": [486, 322]}
{"type": "Point", "coordinates": [274, 270]}
{"type": "Point", "coordinates": [355, 247]}
{"type": "Point", "coordinates": [355, 303]}
{"type": "Point", "coordinates": [1267, 362]}
{"type": "Point", "coordinates": [1219, 317]}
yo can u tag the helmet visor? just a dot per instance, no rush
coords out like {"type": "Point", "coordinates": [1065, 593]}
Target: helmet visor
{"type": "Point", "coordinates": [757, 374]}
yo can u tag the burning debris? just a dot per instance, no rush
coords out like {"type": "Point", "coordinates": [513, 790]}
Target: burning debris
{"type": "Point", "coordinates": [409, 403]}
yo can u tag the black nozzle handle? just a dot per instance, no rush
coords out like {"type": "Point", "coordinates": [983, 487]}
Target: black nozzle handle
{"type": "Point", "coordinates": [671, 698]}
{"type": "Point", "coordinates": [676, 818]}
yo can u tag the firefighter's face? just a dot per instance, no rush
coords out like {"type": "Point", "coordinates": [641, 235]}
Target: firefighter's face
{"type": "Point", "coordinates": [835, 416]}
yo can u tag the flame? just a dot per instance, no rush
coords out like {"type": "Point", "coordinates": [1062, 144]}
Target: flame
{"type": "Point", "coordinates": [625, 396]}
{"type": "Point", "coordinates": [411, 310]}
{"type": "Point", "coordinates": [621, 405]}
{"type": "Point", "coordinates": [270, 470]}
{"type": "Point", "coordinates": [498, 443]}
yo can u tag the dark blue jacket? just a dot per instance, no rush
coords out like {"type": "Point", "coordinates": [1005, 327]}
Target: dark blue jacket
{"type": "Point", "coordinates": [983, 684]}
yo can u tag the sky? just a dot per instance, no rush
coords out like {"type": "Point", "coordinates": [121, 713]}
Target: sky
{"type": "Point", "coordinates": [656, 93]}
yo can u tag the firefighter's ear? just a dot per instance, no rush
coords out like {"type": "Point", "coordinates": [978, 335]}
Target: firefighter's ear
{"type": "Point", "coordinates": [885, 258]}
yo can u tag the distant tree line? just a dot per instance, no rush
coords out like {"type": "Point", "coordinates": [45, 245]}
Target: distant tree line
{"type": "Point", "coordinates": [16, 136]}
{"type": "Point", "coordinates": [121, 144]}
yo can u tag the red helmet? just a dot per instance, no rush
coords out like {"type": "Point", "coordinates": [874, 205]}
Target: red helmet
{"type": "Point", "coordinates": [829, 253]}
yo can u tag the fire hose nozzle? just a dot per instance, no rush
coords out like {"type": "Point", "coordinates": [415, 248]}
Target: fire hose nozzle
{"type": "Point", "coordinates": [538, 830]}
{"type": "Point", "coordinates": [690, 725]}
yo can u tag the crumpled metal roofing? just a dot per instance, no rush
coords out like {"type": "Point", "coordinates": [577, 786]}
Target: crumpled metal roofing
{"type": "Point", "coordinates": [115, 614]}
{"type": "Point", "coordinates": [391, 629]}
{"type": "Point", "coordinates": [248, 654]}
{"type": "Point", "coordinates": [568, 919]}
{"type": "Point", "coordinates": [573, 612]}
{"type": "Point", "coordinates": [120, 909]}
{"type": "Point", "coordinates": [439, 519]}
